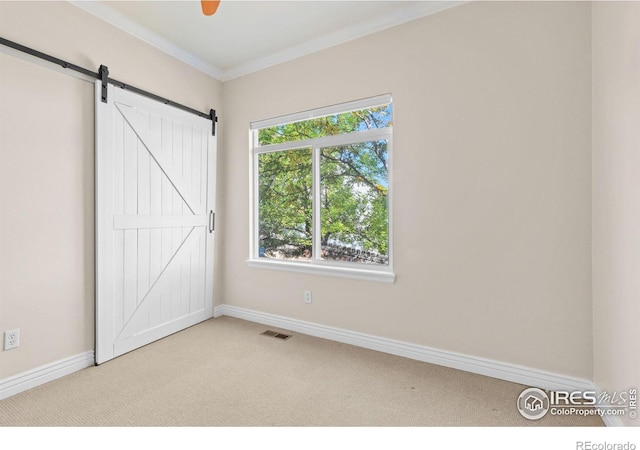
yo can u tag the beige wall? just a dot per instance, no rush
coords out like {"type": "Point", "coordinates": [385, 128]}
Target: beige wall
{"type": "Point", "coordinates": [492, 166]}
{"type": "Point", "coordinates": [616, 199]}
{"type": "Point", "coordinates": [46, 170]}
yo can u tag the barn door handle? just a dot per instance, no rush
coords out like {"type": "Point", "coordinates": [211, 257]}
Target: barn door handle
{"type": "Point", "coordinates": [212, 221]}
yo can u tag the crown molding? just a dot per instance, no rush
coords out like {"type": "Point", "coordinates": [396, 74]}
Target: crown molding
{"type": "Point", "coordinates": [112, 17]}
{"type": "Point", "coordinates": [412, 12]}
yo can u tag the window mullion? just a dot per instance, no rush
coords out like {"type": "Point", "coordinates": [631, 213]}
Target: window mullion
{"type": "Point", "coordinates": [333, 140]}
{"type": "Point", "coordinates": [255, 248]}
{"type": "Point", "coordinates": [316, 242]}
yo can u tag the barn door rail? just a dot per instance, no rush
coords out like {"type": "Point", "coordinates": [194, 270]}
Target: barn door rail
{"type": "Point", "coordinates": [103, 75]}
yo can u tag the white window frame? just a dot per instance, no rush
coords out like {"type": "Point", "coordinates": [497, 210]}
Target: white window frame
{"type": "Point", "coordinates": [382, 273]}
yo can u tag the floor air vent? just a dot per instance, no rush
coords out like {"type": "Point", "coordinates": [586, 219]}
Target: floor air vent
{"type": "Point", "coordinates": [275, 334]}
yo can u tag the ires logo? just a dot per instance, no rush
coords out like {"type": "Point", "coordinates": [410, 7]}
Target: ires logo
{"type": "Point", "coordinates": [533, 403]}
{"type": "Point", "coordinates": [576, 398]}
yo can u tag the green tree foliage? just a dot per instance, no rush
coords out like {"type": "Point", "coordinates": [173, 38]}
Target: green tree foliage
{"type": "Point", "coordinates": [353, 188]}
{"type": "Point", "coordinates": [285, 201]}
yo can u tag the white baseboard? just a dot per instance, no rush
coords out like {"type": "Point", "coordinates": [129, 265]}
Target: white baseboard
{"type": "Point", "coordinates": [610, 421]}
{"type": "Point", "coordinates": [482, 366]}
{"type": "Point", "coordinates": [217, 311]}
{"type": "Point", "coordinates": [44, 374]}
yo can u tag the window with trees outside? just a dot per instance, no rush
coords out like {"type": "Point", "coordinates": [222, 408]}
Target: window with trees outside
{"type": "Point", "coordinates": [321, 190]}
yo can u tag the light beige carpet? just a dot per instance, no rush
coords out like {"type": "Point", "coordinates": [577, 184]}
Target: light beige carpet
{"type": "Point", "coordinates": [223, 372]}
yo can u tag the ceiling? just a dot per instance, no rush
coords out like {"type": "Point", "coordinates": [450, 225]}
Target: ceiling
{"type": "Point", "coordinates": [246, 36]}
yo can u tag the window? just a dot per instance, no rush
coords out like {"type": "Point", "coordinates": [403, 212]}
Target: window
{"type": "Point", "coordinates": [321, 190]}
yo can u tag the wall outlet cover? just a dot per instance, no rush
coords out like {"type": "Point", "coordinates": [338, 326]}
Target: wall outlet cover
{"type": "Point", "coordinates": [11, 339]}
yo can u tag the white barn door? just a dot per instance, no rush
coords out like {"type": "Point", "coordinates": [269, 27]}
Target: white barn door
{"type": "Point", "coordinates": [155, 192]}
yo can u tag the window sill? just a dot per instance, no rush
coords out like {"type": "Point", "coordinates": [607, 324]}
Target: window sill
{"type": "Point", "coordinates": [343, 272]}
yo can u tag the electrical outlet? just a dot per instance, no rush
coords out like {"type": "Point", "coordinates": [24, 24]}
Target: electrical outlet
{"type": "Point", "coordinates": [307, 296]}
{"type": "Point", "coordinates": [12, 339]}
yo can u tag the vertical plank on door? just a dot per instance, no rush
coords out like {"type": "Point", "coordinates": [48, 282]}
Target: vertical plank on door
{"type": "Point", "coordinates": [130, 236]}
{"type": "Point", "coordinates": [177, 146]}
{"type": "Point", "coordinates": [118, 235]}
{"type": "Point", "coordinates": [203, 170]}
{"type": "Point", "coordinates": [167, 209]}
{"type": "Point", "coordinates": [155, 208]}
{"type": "Point", "coordinates": [196, 175]}
{"type": "Point", "coordinates": [185, 273]}
{"type": "Point", "coordinates": [144, 208]}
{"type": "Point", "coordinates": [196, 270]}
{"type": "Point", "coordinates": [176, 267]}
{"type": "Point", "coordinates": [187, 144]}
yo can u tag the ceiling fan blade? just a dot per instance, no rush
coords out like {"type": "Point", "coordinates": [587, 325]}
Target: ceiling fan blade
{"type": "Point", "coordinates": [209, 7]}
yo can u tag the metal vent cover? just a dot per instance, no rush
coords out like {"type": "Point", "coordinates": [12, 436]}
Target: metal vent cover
{"type": "Point", "coordinates": [276, 334]}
